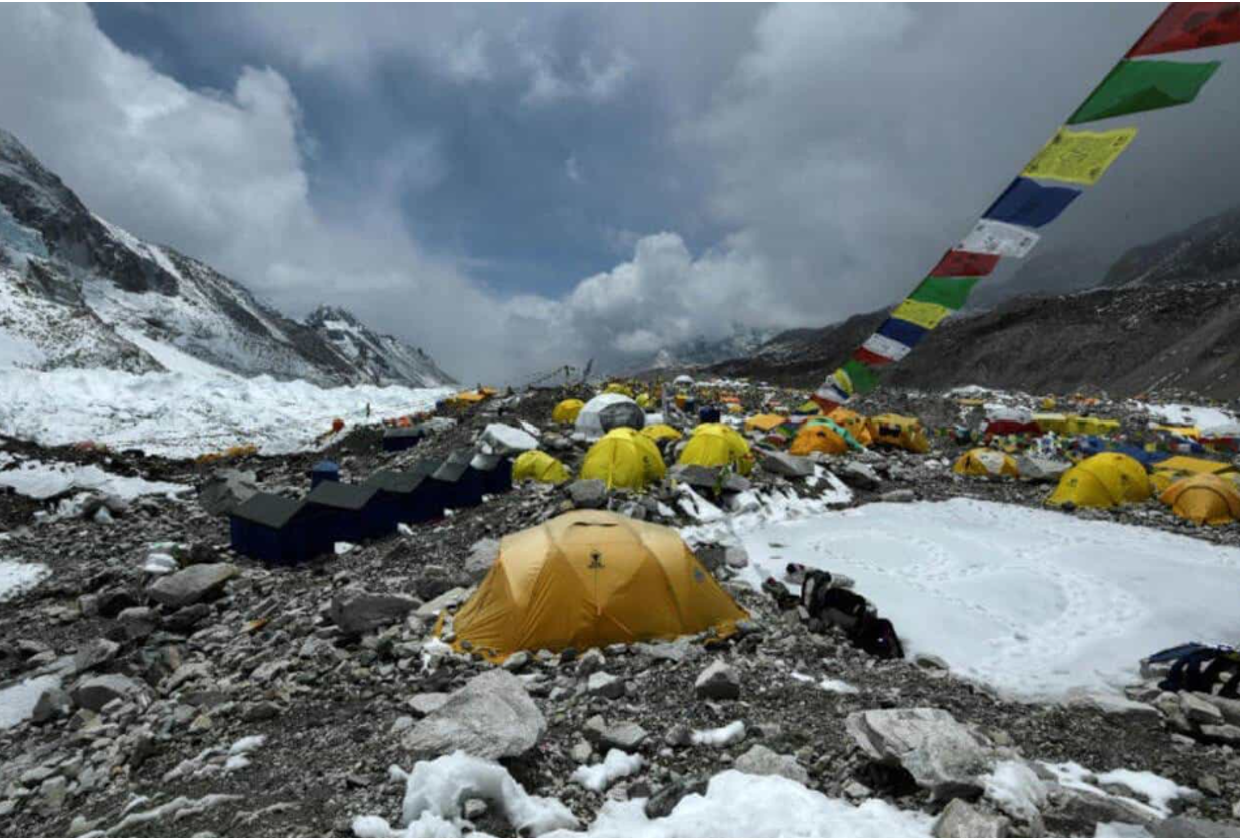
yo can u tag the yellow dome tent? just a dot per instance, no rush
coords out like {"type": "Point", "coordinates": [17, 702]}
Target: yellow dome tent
{"type": "Point", "coordinates": [539, 466]}
{"type": "Point", "coordinates": [984, 462]}
{"type": "Point", "coordinates": [643, 400]}
{"type": "Point", "coordinates": [817, 438]}
{"type": "Point", "coordinates": [624, 459]}
{"type": "Point", "coordinates": [899, 431]}
{"type": "Point", "coordinates": [661, 432]}
{"type": "Point", "coordinates": [854, 423]}
{"type": "Point", "coordinates": [566, 411]}
{"type": "Point", "coordinates": [714, 446]}
{"type": "Point", "coordinates": [764, 422]}
{"type": "Point", "coordinates": [1172, 469]}
{"type": "Point", "coordinates": [1105, 480]}
{"type": "Point", "coordinates": [1204, 499]}
{"type": "Point", "coordinates": [588, 579]}
{"type": "Point", "coordinates": [617, 387]}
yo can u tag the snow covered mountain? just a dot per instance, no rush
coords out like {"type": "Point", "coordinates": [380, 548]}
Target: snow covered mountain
{"type": "Point", "coordinates": [701, 352]}
{"type": "Point", "coordinates": [76, 291]}
{"type": "Point", "coordinates": [382, 357]}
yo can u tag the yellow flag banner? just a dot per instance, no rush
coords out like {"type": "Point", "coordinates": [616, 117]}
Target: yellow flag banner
{"type": "Point", "coordinates": [1079, 156]}
{"type": "Point", "coordinates": [926, 315]}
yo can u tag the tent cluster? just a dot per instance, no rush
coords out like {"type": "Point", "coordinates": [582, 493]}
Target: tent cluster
{"type": "Point", "coordinates": [588, 579]}
{"type": "Point", "coordinates": [281, 531]}
{"type": "Point", "coordinates": [624, 459]}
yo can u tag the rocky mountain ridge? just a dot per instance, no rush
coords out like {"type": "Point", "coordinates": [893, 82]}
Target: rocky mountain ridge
{"type": "Point", "coordinates": [81, 292]}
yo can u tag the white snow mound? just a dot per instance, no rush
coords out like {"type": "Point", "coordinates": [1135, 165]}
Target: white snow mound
{"type": "Point", "coordinates": [1032, 602]}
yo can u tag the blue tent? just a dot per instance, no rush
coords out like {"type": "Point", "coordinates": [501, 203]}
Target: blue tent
{"type": "Point", "coordinates": [355, 512]}
{"type": "Point", "coordinates": [278, 531]}
{"type": "Point", "coordinates": [324, 470]}
{"type": "Point", "coordinates": [408, 497]}
{"type": "Point", "coordinates": [462, 485]}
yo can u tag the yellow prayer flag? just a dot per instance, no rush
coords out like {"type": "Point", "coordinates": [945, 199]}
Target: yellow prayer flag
{"type": "Point", "coordinates": [926, 315]}
{"type": "Point", "coordinates": [1079, 156]}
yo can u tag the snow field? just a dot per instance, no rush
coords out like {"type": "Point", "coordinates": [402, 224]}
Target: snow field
{"type": "Point", "coordinates": [1034, 603]}
{"type": "Point", "coordinates": [181, 414]}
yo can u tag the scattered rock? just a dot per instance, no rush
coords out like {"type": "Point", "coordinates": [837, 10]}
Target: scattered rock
{"type": "Point", "coordinates": [928, 743]}
{"type": "Point", "coordinates": [186, 587]}
{"type": "Point", "coordinates": [625, 736]}
{"type": "Point", "coordinates": [357, 612]}
{"type": "Point", "coordinates": [491, 717]}
{"type": "Point", "coordinates": [960, 820]}
{"type": "Point", "coordinates": [94, 692]}
{"type": "Point", "coordinates": [604, 685]}
{"type": "Point", "coordinates": [762, 760]}
{"type": "Point", "coordinates": [785, 465]}
{"type": "Point", "coordinates": [93, 654]}
{"type": "Point", "coordinates": [718, 681]}
{"type": "Point", "coordinates": [588, 494]}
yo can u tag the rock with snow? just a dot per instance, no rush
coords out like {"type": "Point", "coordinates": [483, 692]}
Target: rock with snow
{"type": "Point", "coordinates": [226, 490]}
{"type": "Point", "coordinates": [53, 703]}
{"type": "Point", "coordinates": [708, 479]}
{"type": "Point", "coordinates": [718, 682]}
{"type": "Point", "coordinates": [94, 692]}
{"type": "Point", "coordinates": [588, 494]}
{"type": "Point", "coordinates": [491, 717]}
{"type": "Point", "coordinates": [506, 441]}
{"type": "Point", "coordinates": [763, 761]}
{"type": "Point", "coordinates": [929, 743]}
{"type": "Point", "coordinates": [960, 820]}
{"type": "Point", "coordinates": [357, 612]}
{"type": "Point", "coordinates": [191, 585]}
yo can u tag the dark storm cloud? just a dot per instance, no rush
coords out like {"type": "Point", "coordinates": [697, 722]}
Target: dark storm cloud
{"type": "Point", "coordinates": [514, 187]}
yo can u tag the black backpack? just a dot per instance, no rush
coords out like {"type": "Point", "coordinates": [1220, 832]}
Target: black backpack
{"type": "Point", "coordinates": [877, 636]}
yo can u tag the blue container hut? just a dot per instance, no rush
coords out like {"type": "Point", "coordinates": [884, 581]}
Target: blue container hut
{"type": "Point", "coordinates": [277, 530]}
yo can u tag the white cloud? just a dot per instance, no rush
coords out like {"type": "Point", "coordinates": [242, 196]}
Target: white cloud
{"type": "Point", "coordinates": [572, 169]}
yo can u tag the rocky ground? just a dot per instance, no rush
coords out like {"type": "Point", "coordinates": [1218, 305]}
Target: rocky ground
{"type": "Point", "coordinates": [226, 698]}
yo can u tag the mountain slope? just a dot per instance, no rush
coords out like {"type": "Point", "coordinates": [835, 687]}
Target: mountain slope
{"type": "Point", "coordinates": [1125, 341]}
{"type": "Point", "coordinates": [138, 306]}
{"type": "Point", "coordinates": [382, 357]}
{"type": "Point", "coordinates": [1206, 250]}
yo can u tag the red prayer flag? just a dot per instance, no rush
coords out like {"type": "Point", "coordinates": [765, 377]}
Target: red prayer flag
{"type": "Point", "coordinates": [869, 358]}
{"type": "Point", "coordinates": [1184, 26]}
{"type": "Point", "coordinates": [964, 263]}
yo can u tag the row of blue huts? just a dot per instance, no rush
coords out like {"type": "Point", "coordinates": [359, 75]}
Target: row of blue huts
{"type": "Point", "coordinates": [279, 530]}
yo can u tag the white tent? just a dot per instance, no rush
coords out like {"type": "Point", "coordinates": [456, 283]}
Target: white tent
{"type": "Point", "coordinates": [683, 380]}
{"type": "Point", "coordinates": [607, 412]}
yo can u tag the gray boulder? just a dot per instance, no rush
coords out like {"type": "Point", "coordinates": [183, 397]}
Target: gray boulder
{"type": "Point", "coordinates": [718, 682]}
{"type": "Point", "coordinates": [93, 654]}
{"type": "Point", "coordinates": [588, 494]}
{"type": "Point", "coordinates": [186, 587]}
{"type": "Point", "coordinates": [481, 556]}
{"type": "Point", "coordinates": [857, 475]}
{"type": "Point", "coordinates": [424, 704]}
{"type": "Point", "coordinates": [357, 612]}
{"type": "Point", "coordinates": [605, 685]}
{"type": "Point", "coordinates": [763, 761]}
{"type": "Point", "coordinates": [960, 820]}
{"type": "Point", "coordinates": [53, 703]}
{"type": "Point", "coordinates": [930, 744]}
{"type": "Point", "coordinates": [1179, 827]}
{"type": "Point", "coordinates": [227, 490]}
{"type": "Point", "coordinates": [783, 464]}
{"type": "Point", "coordinates": [490, 717]}
{"type": "Point", "coordinates": [625, 736]}
{"type": "Point", "coordinates": [708, 479]}
{"type": "Point", "coordinates": [95, 692]}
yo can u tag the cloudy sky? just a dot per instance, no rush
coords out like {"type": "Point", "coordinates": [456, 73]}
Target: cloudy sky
{"type": "Point", "coordinates": [517, 187]}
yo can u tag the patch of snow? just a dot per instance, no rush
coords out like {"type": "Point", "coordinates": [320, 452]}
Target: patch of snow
{"type": "Point", "coordinates": [835, 685]}
{"type": "Point", "coordinates": [1015, 788]}
{"type": "Point", "coordinates": [44, 480]}
{"type": "Point", "coordinates": [504, 439]}
{"type": "Point", "coordinates": [17, 576]}
{"type": "Point", "coordinates": [1158, 791]}
{"type": "Point", "coordinates": [735, 805]}
{"type": "Point", "coordinates": [344, 547]}
{"type": "Point", "coordinates": [616, 765]}
{"type": "Point", "coordinates": [1032, 602]}
{"type": "Point", "coordinates": [17, 701]}
{"type": "Point", "coordinates": [1211, 421]}
{"type": "Point", "coordinates": [180, 415]}
{"type": "Point", "coordinates": [720, 737]}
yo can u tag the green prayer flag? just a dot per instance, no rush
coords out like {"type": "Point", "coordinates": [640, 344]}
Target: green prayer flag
{"type": "Point", "coordinates": [863, 378]}
{"type": "Point", "coordinates": [947, 291]}
{"type": "Point", "coordinates": [1135, 86]}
